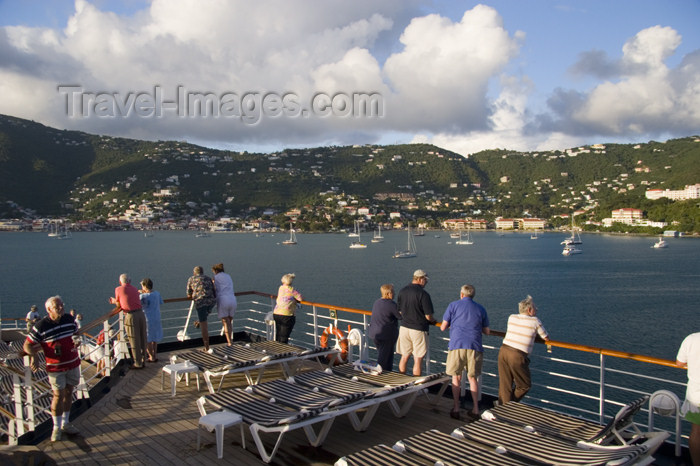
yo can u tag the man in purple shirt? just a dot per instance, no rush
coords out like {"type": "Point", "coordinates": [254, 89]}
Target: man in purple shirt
{"type": "Point", "coordinates": [467, 320]}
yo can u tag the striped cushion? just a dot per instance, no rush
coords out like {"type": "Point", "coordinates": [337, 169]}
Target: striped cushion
{"type": "Point", "coordinates": [379, 455]}
{"type": "Point", "coordinates": [298, 396]}
{"type": "Point", "coordinates": [257, 410]}
{"type": "Point", "coordinates": [437, 446]}
{"type": "Point", "coordinates": [338, 385]}
{"type": "Point", "coordinates": [535, 447]}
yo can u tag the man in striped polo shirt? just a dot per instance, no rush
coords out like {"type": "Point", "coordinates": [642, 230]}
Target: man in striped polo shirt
{"type": "Point", "coordinates": [513, 362]}
{"type": "Point", "coordinates": [54, 335]}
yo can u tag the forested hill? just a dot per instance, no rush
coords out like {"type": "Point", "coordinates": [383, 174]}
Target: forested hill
{"type": "Point", "coordinates": [47, 170]}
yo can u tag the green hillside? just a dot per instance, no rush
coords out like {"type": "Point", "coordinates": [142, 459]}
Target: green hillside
{"type": "Point", "coordinates": [87, 176]}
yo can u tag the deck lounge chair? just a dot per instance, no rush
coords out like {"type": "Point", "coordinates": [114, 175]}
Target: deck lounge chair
{"type": "Point", "coordinates": [439, 447]}
{"type": "Point", "coordinates": [257, 357]}
{"type": "Point", "coordinates": [371, 395]}
{"type": "Point", "coordinates": [531, 446]}
{"type": "Point", "coordinates": [212, 365]}
{"type": "Point", "coordinates": [264, 417]}
{"type": "Point", "coordinates": [332, 383]}
{"type": "Point", "coordinates": [620, 430]}
{"type": "Point", "coordinates": [380, 455]}
{"type": "Point", "coordinates": [338, 385]}
{"type": "Point", "coordinates": [277, 347]}
{"type": "Point", "coordinates": [385, 378]}
{"type": "Point", "coordinates": [228, 360]}
{"type": "Point", "coordinates": [414, 385]}
{"type": "Point", "coordinates": [300, 397]}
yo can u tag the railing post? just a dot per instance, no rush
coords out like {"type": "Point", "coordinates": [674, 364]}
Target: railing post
{"type": "Point", "coordinates": [29, 393]}
{"type": "Point", "coordinates": [106, 349]}
{"type": "Point", "coordinates": [364, 350]}
{"type": "Point", "coordinates": [601, 403]}
{"type": "Point", "coordinates": [427, 361]}
{"type": "Point", "coordinates": [19, 409]}
{"type": "Point", "coordinates": [315, 319]}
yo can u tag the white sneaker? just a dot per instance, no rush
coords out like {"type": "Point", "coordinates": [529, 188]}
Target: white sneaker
{"type": "Point", "coordinates": [56, 435]}
{"type": "Point", "coordinates": [70, 429]}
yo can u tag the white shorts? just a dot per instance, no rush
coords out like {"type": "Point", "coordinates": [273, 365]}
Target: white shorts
{"type": "Point", "coordinates": [59, 380]}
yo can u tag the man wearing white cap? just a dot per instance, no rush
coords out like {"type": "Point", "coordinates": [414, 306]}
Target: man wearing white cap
{"type": "Point", "coordinates": [32, 317]}
{"type": "Point", "coordinates": [416, 309]}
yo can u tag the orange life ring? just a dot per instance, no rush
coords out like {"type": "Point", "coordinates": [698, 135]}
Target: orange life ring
{"type": "Point", "coordinates": [341, 343]}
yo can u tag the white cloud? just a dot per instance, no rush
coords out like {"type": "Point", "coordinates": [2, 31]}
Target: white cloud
{"type": "Point", "coordinates": [448, 81]}
{"type": "Point", "coordinates": [440, 79]}
{"type": "Point", "coordinates": [646, 96]}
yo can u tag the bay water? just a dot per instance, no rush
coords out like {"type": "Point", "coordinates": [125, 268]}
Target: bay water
{"type": "Point", "coordinates": [619, 294]}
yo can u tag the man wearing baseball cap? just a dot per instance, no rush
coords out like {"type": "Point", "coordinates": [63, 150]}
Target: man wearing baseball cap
{"type": "Point", "coordinates": [416, 309]}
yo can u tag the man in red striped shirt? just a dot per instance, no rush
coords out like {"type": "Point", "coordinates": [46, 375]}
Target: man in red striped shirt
{"type": "Point", "coordinates": [54, 335]}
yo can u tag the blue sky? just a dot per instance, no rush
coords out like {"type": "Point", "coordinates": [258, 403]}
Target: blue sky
{"type": "Point", "coordinates": [523, 75]}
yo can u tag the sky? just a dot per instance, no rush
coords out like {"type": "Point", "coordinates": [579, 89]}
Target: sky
{"type": "Point", "coordinates": [269, 75]}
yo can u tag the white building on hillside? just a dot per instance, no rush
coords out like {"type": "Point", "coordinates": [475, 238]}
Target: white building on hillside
{"type": "Point", "coordinates": [689, 192]}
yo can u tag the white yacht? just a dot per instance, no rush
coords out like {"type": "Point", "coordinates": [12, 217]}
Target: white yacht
{"type": "Point", "coordinates": [660, 244]}
{"type": "Point", "coordinates": [570, 250]}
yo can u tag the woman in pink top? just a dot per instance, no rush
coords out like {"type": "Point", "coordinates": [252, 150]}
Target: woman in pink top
{"type": "Point", "coordinates": [285, 309]}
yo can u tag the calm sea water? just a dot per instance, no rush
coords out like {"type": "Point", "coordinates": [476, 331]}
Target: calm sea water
{"type": "Point", "coordinates": [619, 294]}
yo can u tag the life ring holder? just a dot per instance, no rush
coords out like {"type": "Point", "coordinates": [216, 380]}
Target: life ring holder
{"type": "Point", "coordinates": [341, 343]}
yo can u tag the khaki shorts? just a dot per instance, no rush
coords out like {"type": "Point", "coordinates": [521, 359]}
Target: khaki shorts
{"type": "Point", "coordinates": [460, 359]}
{"type": "Point", "coordinates": [59, 380]}
{"type": "Point", "coordinates": [413, 342]}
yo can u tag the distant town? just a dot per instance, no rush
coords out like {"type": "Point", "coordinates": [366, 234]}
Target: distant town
{"type": "Point", "coordinates": [55, 180]}
{"type": "Point", "coordinates": [141, 218]}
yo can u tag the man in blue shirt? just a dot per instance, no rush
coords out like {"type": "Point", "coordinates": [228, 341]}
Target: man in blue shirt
{"type": "Point", "coordinates": [467, 320]}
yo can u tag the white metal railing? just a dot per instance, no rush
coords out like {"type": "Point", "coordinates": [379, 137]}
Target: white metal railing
{"type": "Point", "coordinates": [587, 385]}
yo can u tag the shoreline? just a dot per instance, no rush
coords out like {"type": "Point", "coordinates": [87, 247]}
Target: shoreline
{"type": "Point", "coordinates": [611, 233]}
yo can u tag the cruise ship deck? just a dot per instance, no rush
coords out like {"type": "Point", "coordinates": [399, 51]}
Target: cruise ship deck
{"type": "Point", "coordinates": [137, 422]}
{"type": "Point", "coordinates": [131, 418]}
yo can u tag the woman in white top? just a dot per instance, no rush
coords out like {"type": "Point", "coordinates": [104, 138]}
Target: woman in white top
{"type": "Point", "coordinates": [225, 300]}
{"type": "Point", "coordinates": [513, 362]}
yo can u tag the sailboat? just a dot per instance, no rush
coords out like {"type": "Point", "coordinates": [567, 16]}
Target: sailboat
{"type": "Point", "coordinates": [410, 250]}
{"type": "Point", "coordinates": [533, 235]}
{"type": "Point", "coordinates": [356, 231]}
{"type": "Point", "coordinates": [53, 229]}
{"type": "Point", "coordinates": [64, 234]}
{"type": "Point", "coordinates": [357, 244]}
{"type": "Point", "coordinates": [292, 236]}
{"type": "Point", "coordinates": [420, 232]}
{"type": "Point", "coordinates": [59, 231]}
{"type": "Point", "coordinates": [574, 238]}
{"type": "Point", "coordinates": [465, 241]}
{"type": "Point", "coordinates": [378, 238]}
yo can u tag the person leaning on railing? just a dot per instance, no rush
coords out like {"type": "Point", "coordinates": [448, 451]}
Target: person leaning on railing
{"type": "Point", "coordinates": [126, 296]}
{"type": "Point", "coordinates": [514, 379]}
{"type": "Point", "coordinates": [285, 308]}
